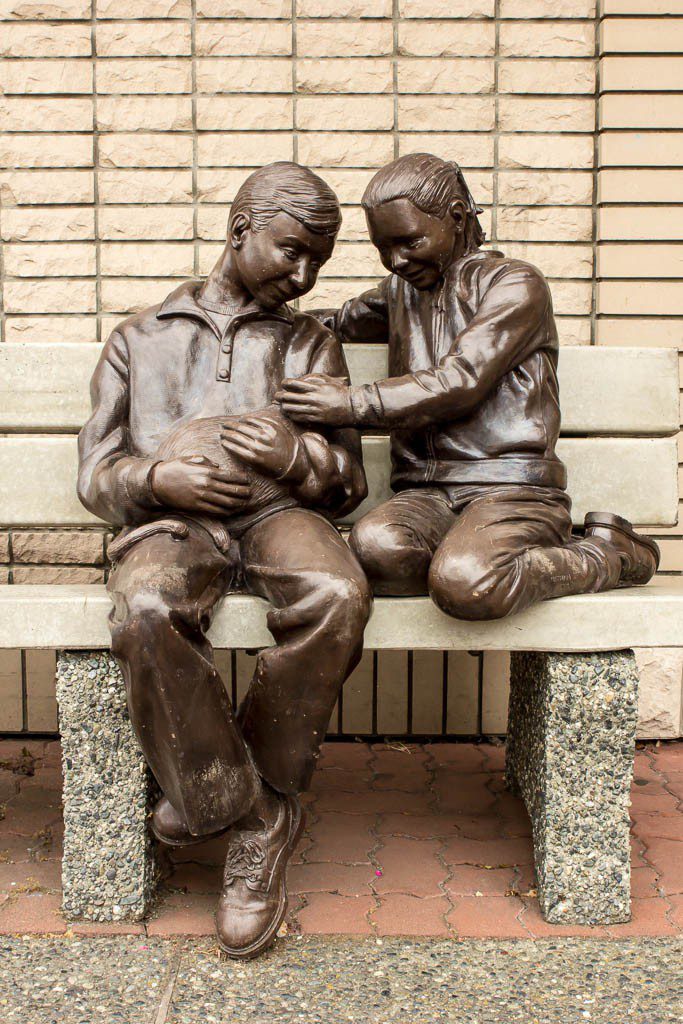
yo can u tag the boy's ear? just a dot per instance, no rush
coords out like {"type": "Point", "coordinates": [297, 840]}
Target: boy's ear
{"type": "Point", "coordinates": [238, 225]}
{"type": "Point", "coordinates": [458, 213]}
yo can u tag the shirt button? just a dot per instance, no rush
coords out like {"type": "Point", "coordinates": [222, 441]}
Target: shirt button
{"type": "Point", "coordinates": [223, 374]}
{"type": "Point", "coordinates": [226, 348]}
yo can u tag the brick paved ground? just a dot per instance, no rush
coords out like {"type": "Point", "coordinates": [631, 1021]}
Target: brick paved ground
{"type": "Point", "coordinates": [401, 840]}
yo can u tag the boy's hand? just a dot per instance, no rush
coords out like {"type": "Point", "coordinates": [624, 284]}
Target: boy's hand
{"type": "Point", "coordinates": [317, 398]}
{"type": "Point", "coordinates": [270, 447]}
{"type": "Point", "coordinates": [197, 485]}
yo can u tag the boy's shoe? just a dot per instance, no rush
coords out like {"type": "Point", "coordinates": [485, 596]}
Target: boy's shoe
{"type": "Point", "coordinates": [254, 898]}
{"type": "Point", "coordinates": [170, 828]}
{"type": "Point", "coordinates": [639, 555]}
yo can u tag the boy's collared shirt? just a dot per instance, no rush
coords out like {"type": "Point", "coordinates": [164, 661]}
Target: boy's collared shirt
{"type": "Point", "coordinates": [472, 392]}
{"type": "Point", "coordinates": [171, 364]}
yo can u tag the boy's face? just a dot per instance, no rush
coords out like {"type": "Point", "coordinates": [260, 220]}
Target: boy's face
{"type": "Point", "coordinates": [281, 261]}
{"type": "Point", "coordinates": [413, 244]}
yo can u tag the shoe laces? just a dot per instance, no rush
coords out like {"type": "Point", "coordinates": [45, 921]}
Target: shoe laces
{"type": "Point", "coordinates": [246, 859]}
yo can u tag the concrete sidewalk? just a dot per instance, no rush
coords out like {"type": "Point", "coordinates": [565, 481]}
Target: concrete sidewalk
{"type": "Point", "coordinates": [135, 980]}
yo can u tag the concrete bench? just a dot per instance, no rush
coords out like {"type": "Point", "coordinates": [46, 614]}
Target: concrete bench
{"type": "Point", "coordinates": [574, 682]}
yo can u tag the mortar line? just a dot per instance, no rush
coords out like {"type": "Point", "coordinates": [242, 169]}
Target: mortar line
{"type": "Point", "coordinates": [596, 171]}
{"type": "Point", "coordinates": [295, 84]}
{"type": "Point", "coordinates": [195, 140]}
{"type": "Point", "coordinates": [496, 127]}
{"type": "Point", "coordinates": [395, 17]}
{"type": "Point", "coordinates": [96, 177]}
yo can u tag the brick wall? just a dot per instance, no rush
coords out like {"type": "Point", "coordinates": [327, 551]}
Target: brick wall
{"type": "Point", "coordinates": [129, 126]}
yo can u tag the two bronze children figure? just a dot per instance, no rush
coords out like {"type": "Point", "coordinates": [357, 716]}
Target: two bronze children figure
{"type": "Point", "coordinates": [225, 439]}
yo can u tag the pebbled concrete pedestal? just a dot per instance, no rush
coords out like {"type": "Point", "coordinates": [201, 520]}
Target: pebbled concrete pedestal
{"type": "Point", "coordinates": [108, 871]}
{"type": "Point", "coordinates": [570, 746]}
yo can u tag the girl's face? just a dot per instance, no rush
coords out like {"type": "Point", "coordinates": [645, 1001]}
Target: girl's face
{"type": "Point", "coordinates": [416, 245]}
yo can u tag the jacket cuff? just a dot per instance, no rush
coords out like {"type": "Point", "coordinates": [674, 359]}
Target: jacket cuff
{"type": "Point", "coordinates": [138, 483]}
{"type": "Point", "coordinates": [366, 405]}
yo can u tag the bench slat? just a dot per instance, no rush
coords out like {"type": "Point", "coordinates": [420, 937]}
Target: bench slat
{"type": "Point", "coordinates": [44, 387]}
{"type": "Point", "coordinates": [75, 617]}
{"type": "Point", "coordinates": [636, 477]}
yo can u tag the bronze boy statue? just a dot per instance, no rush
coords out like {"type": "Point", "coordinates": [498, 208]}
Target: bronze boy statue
{"type": "Point", "coordinates": [217, 490]}
{"type": "Point", "coordinates": [481, 517]}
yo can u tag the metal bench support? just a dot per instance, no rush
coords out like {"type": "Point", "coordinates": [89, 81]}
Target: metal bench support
{"type": "Point", "coordinates": [108, 871]}
{"type": "Point", "coordinates": [570, 746]}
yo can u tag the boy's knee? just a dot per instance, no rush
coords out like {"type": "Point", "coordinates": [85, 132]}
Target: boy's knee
{"type": "Point", "coordinates": [351, 600]}
{"type": "Point", "coordinates": [466, 590]}
{"type": "Point", "coordinates": [388, 552]}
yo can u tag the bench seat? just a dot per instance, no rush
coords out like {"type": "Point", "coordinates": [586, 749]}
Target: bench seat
{"type": "Point", "coordinates": [75, 617]}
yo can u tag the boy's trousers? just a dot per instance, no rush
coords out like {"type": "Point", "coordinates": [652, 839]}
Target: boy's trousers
{"type": "Point", "coordinates": [164, 590]}
{"type": "Point", "coordinates": [483, 551]}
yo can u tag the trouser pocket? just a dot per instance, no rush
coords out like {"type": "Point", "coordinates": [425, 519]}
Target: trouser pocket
{"type": "Point", "coordinates": [127, 538]}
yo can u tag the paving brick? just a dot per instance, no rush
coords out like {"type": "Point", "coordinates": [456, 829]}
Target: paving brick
{"type": "Point", "coordinates": [648, 917]}
{"type": "Point", "coordinates": [464, 794]}
{"type": "Point", "coordinates": [195, 878]}
{"type": "Point", "coordinates": [329, 914]}
{"type": "Point", "coordinates": [644, 883]}
{"type": "Point", "coordinates": [184, 915]}
{"type": "Point", "coordinates": [494, 757]}
{"type": "Point", "coordinates": [332, 780]}
{"type": "Point", "coordinates": [668, 757]}
{"type": "Point", "coordinates": [32, 810]}
{"type": "Point", "coordinates": [492, 853]}
{"type": "Point", "coordinates": [409, 915]}
{"type": "Point", "coordinates": [674, 784]}
{"type": "Point", "coordinates": [660, 826]}
{"type": "Point", "coordinates": [343, 879]}
{"type": "Point", "coordinates": [419, 826]}
{"type": "Point", "coordinates": [466, 880]}
{"type": "Point", "coordinates": [666, 857]}
{"type": "Point", "coordinates": [410, 866]}
{"type": "Point", "coordinates": [402, 768]}
{"type": "Point", "coordinates": [372, 802]}
{"type": "Point", "coordinates": [654, 802]}
{"type": "Point", "coordinates": [29, 876]}
{"type": "Point", "coordinates": [676, 912]}
{"type": "Point", "coordinates": [465, 757]}
{"type": "Point", "coordinates": [485, 917]}
{"type": "Point", "coordinates": [342, 838]}
{"type": "Point", "coordinates": [104, 928]}
{"type": "Point", "coordinates": [36, 914]}
{"type": "Point", "coordinates": [533, 921]}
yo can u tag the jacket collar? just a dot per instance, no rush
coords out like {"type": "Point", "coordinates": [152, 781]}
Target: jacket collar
{"type": "Point", "coordinates": [183, 302]}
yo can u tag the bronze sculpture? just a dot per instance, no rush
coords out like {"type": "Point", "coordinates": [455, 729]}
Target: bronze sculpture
{"type": "Point", "coordinates": [217, 491]}
{"type": "Point", "coordinates": [481, 517]}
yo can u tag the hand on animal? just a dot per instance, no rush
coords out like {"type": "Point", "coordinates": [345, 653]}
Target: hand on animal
{"type": "Point", "coordinates": [195, 484]}
{"type": "Point", "coordinates": [317, 398]}
{"type": "Point", "coordinates": [265, 443]}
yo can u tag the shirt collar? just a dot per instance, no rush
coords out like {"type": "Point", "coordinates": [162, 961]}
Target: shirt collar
{"type": "Point", "coordinates": [183, 302]}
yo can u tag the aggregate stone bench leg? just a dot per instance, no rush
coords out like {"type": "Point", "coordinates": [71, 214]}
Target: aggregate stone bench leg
{"type": "Point", "coordinates": [570, 746]}
{"type": "Point", "coordinates": [108, 871]}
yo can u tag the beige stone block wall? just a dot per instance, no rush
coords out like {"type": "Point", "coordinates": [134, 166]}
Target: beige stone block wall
{"type": "Point", "coordinates": [126, 128]}
{"type": "Point", "coordinates": [639, 297]}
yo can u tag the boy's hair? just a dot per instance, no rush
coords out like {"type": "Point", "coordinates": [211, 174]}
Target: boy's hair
{"type": "Point", "coordinates": [286, 187]}
{"type": "Point", "coordinates": [429, 183]}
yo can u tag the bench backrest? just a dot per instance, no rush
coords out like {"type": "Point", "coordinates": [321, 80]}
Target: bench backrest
{"type": "Point", "coordinates": [619, 412]}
